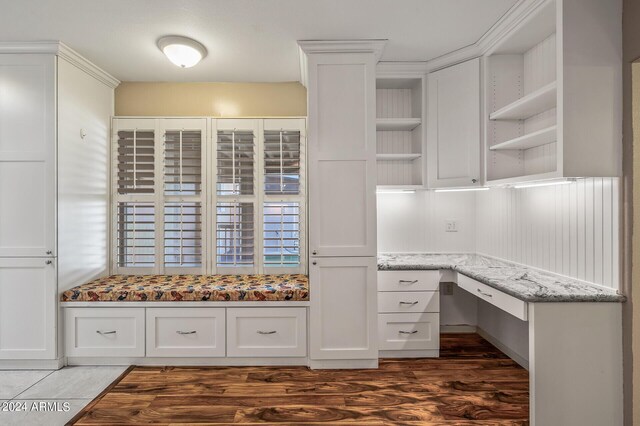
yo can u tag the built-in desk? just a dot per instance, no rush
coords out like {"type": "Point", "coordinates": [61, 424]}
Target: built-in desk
{"type": "Point", "coordinates": [574, 332]}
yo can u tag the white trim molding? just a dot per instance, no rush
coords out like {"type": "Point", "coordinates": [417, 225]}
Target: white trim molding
{"type": "Point", "coordinates": [63, 51]}
{"type": "Point", "coordinates": [375, 46]}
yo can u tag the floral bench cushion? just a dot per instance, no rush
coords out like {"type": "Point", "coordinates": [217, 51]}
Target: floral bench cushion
{"type": "Point", "coordinates": [175, 288]}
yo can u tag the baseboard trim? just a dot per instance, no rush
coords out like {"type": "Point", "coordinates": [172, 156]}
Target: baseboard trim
{"type": "Point", "coordinates": [504, 348]}
{"type": "Point", "coordinates": [425, 353]}
{"type": "Point", "coordinates": [458, 328]}
{"type": "Point", "coordinates": [157, 361]}
{"type": "Point", "coordinates": [31, 364]}
{"type": "Point", "coordinates": [342, 364]}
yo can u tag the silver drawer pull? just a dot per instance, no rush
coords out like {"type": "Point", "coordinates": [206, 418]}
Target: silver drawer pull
{"type": "Point", "coordinates": [409, 303]}
{"type": "Point", "coordinates": [408, 332]}
{"type": "Point", "coordinates": [485, 294]}
{"type": "Point", "coordinates": [407, 282]}
{"type": "Point", "coordinates": [266, 332]}
{"type": "Point", "coordinates": [186, 332]}
{"type": "Point", "coordinates": [106, 332]}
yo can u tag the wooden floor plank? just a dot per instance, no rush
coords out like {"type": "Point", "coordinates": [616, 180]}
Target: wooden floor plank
{"type": "Point", "coordinates": [473, 383]}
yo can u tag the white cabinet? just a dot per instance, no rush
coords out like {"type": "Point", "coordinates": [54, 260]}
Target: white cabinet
{"type": "Point", "coordinates": [343, 303]}
{"type": "Point", "coordinates": [266, 332]}
{"type": "Point", "coordinates": [104, 332]}
{"type": "Point", "coordinates": [453, 126]}
{"type": "Point", "coordinates": [27, 155]}
{"type": "Point", "coordinates": [27, 308]}
{"type": "Point", "coordinates": [403, 332]}
{"type": "Point", "coordinates": [342, 155]}
{"type": "Point", "coordinates": [185, 332]}
{"type": "Point", "coordinates": [510, 304]}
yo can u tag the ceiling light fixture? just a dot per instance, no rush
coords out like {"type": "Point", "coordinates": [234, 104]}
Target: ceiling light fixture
{"type": "Point", "coordinates": [182, 51]}
{"type": "Point", "coordinates": [482, 188]}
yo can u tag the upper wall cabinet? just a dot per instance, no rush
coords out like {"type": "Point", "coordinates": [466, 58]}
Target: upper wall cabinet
{"type": "Point", "coordinates": [553, 94]}
{"type": "Point", "coordinates": [453, 137]}
{"type": "Point", "coordinates": [400, 129]}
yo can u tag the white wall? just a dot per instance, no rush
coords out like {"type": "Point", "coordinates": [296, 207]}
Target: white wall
{"type": "Point", "coordinates": [568, 229]}
{"type": "Point", "coordinates": [416, 222]}
{"type": "Point", "coordinates": [83, 171]}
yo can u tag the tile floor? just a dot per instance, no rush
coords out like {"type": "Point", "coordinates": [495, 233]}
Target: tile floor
{"type": "Point", "coordinates": [75, 385]}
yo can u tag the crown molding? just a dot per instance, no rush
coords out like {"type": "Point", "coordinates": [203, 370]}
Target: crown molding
{"type": "Point", "coordinates": [401, 69]}
{"type": "Point", "coordinates": [63, 51]}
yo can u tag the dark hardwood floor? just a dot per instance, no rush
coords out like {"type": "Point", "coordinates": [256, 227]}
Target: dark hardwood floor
{"type": "Point", "coordinates": [472, 383]}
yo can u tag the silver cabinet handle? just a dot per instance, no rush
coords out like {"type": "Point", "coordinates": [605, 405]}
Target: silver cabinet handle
{"type": "Point", "coordinates": [106, 332]}
{"type": "Point", "coordinates": [485, 294]}
{"type": "Point", "coordinates": [407, 282]}
{"type": "Point", "coordinates": [408, 332]}
{"type": "Point", "coordinates": [266, 332]}
{"type": "Point", "coordinates": [409, 303]}
{"type": "Point", "coordinates": [186, 332]}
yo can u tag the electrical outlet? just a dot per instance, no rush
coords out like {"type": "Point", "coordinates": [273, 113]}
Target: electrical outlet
{"type": "Point", "coordinates": [447, 289]}
{"type": "Point", "coordinates": [451, 225]}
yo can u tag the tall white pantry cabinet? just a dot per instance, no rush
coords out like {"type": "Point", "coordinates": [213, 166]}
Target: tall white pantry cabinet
{"type": "Point", "coordinates": [54, 125]}
{"type": "Point", "coordinates": [341, 89]}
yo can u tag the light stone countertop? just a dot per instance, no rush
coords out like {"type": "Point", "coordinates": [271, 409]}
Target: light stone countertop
{"type": "Point", "coordinates": [527, 284]}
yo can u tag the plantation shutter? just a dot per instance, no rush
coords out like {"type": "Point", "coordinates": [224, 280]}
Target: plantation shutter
{"type": "Point", "coordinates": [135, 162]}
{"type": "Point", "coordinates": [281, 162]}
{"type": "Point", "coordinates": [183, 235]}
{"type": "Point", "coordinates": [135, 234]}
{"type": "Point", "coordinates": [281, 239]}
{"type": "Point", "coordinates": [182, 162]}
{"type": "Point", "coordinates": [235, 234]}
{"type": "Point", "coordinates": [235, 162]}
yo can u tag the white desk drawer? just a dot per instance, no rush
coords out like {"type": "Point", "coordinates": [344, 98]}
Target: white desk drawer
{"type": "Point", "coordinates": [267, 332]}
{"type": "Point", "coordinates": [408, 301]}
{"type": "Point", "coordinates": [509, 304]}
{"type": "Point", "coordinates": [104, 331]}
{"type": "Point", "coordinates": [409, 331]}
{"type": "Point", "coordinates": [186, 332]}
{"type": "Point", "coordinates": [408, 280]}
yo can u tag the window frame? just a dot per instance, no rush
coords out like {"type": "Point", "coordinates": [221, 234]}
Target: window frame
{"type": "Point", "coordinates": [208, 195]}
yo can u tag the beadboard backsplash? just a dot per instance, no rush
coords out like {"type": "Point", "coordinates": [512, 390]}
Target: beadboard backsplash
{"type": "Point", "coordinates": [569, 229]}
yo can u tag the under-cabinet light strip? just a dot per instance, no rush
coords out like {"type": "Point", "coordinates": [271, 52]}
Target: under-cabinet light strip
{"type": "Point", "coordinates": [461, 189]}
{"type": "Point", "coordinates": [548, 183]}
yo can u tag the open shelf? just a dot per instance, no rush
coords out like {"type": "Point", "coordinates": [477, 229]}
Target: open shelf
{"type": "Point", "coordinates": [530, 140]}
{"type": "Point", "coordinates": [534, 103]}
{"type": "Point", "coordinates": [397, 123]}
{"type": "Point", "coordinates": [396, 157]}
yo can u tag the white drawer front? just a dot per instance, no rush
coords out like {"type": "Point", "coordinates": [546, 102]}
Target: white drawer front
{"type": "Point", "coordinates": [408, 301]}
{"type": "Point", "coordinates": [186, 332]}
{"type": "Point", "coordinates": [509, 304]}
{"type": "Point", "coordinates": [408, 280]}
{"type": "Point", "coordinates": [104, 331]}
{"type": "Point", "coordinates": [409, 331]}
{"type": "Point", "coordinates": [268, 332]}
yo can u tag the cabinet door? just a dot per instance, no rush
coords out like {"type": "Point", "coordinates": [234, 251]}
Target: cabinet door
{"type": "Point", "coordinates": [453, 126]}
{"type": "Point", "coordinates": [27, 308]}
{"type": "Point", "coordinates": [342, 155]}
{"type": "Point", "coordinates": [27, 155]}
{"type": "Point", "coordinates": [343, 308]}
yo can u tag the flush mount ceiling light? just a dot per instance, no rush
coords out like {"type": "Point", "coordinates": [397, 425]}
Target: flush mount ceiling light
{"type": "Point", "coordinates": [182, 51]}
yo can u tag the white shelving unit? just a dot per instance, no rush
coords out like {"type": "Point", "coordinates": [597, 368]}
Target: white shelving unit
{"type": "Point", "coordinates": [399, 131]}
{"type": "Point", "coordinates": [548, 112]}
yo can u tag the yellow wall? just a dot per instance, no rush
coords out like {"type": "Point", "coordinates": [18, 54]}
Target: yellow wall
{"type": "Point", "coordinates": [211, 99]}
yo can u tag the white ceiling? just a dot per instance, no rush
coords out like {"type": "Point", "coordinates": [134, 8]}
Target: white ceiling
{"type": "Point", "coordinates": [247, 40]}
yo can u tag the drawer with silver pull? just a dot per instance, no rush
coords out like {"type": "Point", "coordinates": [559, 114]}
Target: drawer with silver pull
{"type": "Point", "coordinates": [409, 331]}
{"type": "Point", "coordinates": [408, 280]}
{"type": "Point", "coordinates": [507, 303]}
{"type": "Point", "coordinates": [93, 332]}
{"type": "Point", "coordinates": [408, 301]}
{"type": "Point", "coordinates": [267, 332]}
{"type": "Point", "coordinates": [186, 332]}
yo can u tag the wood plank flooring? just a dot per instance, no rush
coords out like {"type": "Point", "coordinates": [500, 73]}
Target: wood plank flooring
{"type": "Point", "coordinates": [472, 383]}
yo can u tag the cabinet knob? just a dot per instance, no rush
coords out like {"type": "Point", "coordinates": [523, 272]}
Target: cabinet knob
{"type": "Point", "coordinates": [474, 180]}
{"type": "Point", "coordinates": [49, 252]}
{"type": "Point", "coordinates": [314, 263]}
{"type": "Point", "coordinates": [315, 252]}
{"type": "Point", "coordinates": [48, 262]}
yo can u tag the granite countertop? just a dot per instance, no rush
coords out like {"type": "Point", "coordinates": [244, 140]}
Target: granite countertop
{"type": "Point", "coordinates": [527, 284]}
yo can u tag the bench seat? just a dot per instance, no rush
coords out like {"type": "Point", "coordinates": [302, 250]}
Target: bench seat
{"type": "Point", "coordinates": [176, 288]}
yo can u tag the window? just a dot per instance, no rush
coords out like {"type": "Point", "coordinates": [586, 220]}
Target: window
{"type": "Point", "coordinates": [250, 180]}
